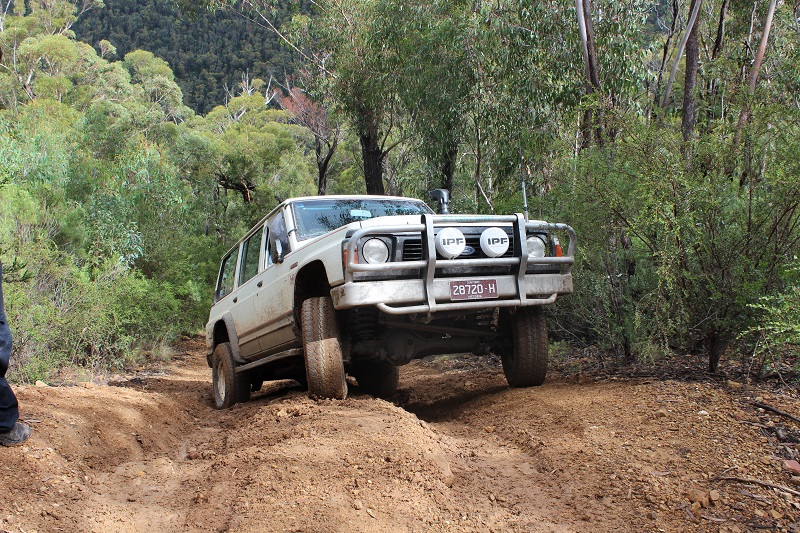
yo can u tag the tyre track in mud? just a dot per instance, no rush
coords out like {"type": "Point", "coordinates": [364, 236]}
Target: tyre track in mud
{"type": "Point", "coordinates": [512, 448]}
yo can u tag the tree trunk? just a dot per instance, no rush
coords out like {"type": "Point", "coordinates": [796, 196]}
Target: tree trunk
{"type": "Point", "coordinates": [322, 167]}
{"type": "Point", "coordinates": [583, 9]}
{"type": "Point", "coordinates": [449, 168]}
{"type": "Point", "coordinates": [586, 128]}
{"type": "Point", "coordinates": [762, 47]}
{"type": "Point", "coordinates": [324, 152]}
{"type": "Point", "coordinates": [665, 53]}
{"type": "Point", "coordinates": [719, 42]}
{"type": "Point", "coordinates": [692, 60]}
{"type": "Point", "coordinates": [594, 73]}
{"type": "Point", "coordinates": [714, 346]}
{"type": "Point", "coordinates": [681, 46]}
{"type": "Point", "coordinates": [372, 154]}
{"type": "Point", "coordinates": [744, 116]}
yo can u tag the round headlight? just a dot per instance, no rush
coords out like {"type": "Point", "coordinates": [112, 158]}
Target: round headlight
{"type": "Point", "coordinates": [536, 247]}
{"type": "Point", "coordinates": [375, 251]}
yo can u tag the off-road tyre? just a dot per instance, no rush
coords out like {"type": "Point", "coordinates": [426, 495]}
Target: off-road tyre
{"type": "Point", "coordinates": [323, 350]}
{"type": "Point", "coordinates": [377, 378]}
{"type": "Point", "coordinates": [525, 357]}
{"type": "Point", "coordinates": [227, 386]}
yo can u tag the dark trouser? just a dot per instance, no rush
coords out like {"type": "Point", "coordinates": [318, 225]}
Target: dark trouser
{"type": "Point", "coordinates": [9, 411]}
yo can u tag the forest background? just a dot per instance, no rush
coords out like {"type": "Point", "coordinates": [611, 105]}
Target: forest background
{"type": "Point", "coordinates": [665, 132]}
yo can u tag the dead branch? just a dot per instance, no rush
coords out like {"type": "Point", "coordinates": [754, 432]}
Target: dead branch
{"type": "Point", "coordinates": [757, 482]}
{"type": "Point", "coordinates": [776, 411]}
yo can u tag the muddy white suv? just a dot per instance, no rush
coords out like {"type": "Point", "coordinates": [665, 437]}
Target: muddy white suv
{"type": "Point", "coordinates": [328, 286]}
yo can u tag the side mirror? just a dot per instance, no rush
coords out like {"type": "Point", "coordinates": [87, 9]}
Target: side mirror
{"type": "Point", "coordinates": [442, 197]}
{"type": "Point", "coordinates": [278, 255]}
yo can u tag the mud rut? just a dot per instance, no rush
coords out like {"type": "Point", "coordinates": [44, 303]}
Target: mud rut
{"type": "Point", "coordinates": [456, 450]}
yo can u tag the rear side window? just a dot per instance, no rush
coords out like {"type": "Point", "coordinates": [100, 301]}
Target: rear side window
{"type": "Point", "coordinates": [250, 255]}
{"type": "Point", "coordinates": [226, 275]}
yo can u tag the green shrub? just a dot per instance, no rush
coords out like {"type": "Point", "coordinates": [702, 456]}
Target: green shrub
{"type": "Point", "coordinates": [777, 327]}
{"type": "Point", "coordinates": [62, 317]}
{"type": "Point", "coordinates": [673, 252]}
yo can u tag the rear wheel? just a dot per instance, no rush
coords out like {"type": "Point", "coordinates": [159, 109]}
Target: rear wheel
{"type": "Point", "coordinates": [377, 378]}
{"type": "Point", "coordinates": [525, 363]}
{"type": "Point", "coordinates": [229, 387]}
{"type": "Point", "coordinates": [323, 350]}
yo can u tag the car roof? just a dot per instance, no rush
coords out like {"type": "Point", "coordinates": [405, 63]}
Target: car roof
{"type": "Point", "coordinates": [351, 197]}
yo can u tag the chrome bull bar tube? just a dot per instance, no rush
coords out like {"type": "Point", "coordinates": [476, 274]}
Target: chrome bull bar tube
{"type": "Point", "coordinates": [430, 263]}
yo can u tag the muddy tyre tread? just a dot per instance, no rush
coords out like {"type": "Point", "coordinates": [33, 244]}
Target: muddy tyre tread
{"type": "Point", "coordinates": [525, 365]}
{"type": "Point", "coordinates": [228, 387]}
{"type": "Point", "coordinates": [323, 350]}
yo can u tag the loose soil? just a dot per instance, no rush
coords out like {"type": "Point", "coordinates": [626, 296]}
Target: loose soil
{"type": "Point", "coordinates": [455, 450]}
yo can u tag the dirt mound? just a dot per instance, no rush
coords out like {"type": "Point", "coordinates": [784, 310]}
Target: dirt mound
{"type": "Point", "coordinates": [457, 451]}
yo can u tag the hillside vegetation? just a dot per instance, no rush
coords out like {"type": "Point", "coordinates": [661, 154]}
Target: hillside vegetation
{"type": "Point", "coordinates": [665, 133]}
{"type": "Point", "coordinates": [208, 53]}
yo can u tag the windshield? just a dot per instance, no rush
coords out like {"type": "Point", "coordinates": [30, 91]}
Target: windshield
{"type": "Point", "coordinates": [317, 217]}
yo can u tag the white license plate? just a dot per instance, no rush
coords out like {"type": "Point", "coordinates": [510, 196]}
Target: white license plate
{"type": "Point", "coordinates": [473, 289]}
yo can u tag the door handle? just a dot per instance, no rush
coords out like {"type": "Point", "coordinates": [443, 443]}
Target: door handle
{"type": "Point", "coordinates": [260, 284]}
{"type": "Point", "coordinates": [235, 299]}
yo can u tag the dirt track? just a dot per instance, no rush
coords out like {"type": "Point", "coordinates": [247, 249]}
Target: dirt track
{"type": "Point", "coordinates": [457, 451]}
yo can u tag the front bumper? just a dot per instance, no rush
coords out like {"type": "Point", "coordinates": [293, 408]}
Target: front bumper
{"type": "Point", "coordinates": [430, 293]}
{"type": "Point", "coordinates": [399, 297]}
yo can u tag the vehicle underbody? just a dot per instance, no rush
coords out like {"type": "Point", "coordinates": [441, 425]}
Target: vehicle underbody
{"type": "Point", "coordinates": [371, 334]}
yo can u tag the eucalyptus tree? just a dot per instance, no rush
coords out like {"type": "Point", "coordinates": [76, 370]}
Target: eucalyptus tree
{"type": "Point", "coordinates": [427, 61]}
{"type": "Point", "coordinates": [31, 32]}
{"type": "Point", "coordinates": [327, 131]}
{"type": "Point", "coordinates": [242, 159]}
{"type": "Point", "coordinates": [338, 49]}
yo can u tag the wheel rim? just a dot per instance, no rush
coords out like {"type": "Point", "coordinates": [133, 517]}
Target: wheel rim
{"type": "Point", "coordinates": [219, 386]}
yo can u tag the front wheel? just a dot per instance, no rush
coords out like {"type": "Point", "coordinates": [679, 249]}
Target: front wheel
{"type": "Point", "coordinates": [525, 364]}
{"type": "Point", "coordinates": [323, 350]}
{"type": "Point", "coordinates": [229, 387]}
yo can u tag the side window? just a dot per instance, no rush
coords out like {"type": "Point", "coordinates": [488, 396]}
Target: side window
{"type": "Point", "coordinates": [278, 239]}
{"type": "Point", "coordinates": [226, 275]}
{"type": "Point", "coordinates": [250, 254]}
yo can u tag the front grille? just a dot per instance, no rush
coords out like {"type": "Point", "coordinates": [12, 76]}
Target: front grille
{"type": "Point", "coordinates": [412, 250]}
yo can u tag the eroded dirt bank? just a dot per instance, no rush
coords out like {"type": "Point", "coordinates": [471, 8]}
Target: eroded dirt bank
{"type": "Point", "coordinates": [457, 451]}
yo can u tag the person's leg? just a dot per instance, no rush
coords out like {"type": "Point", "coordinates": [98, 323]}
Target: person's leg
{"type": "Point", "coordinates": [9, 409]}
{"type": "Point", "coordinates": [8, 402]}
{"type": "Point", "coordinates": [12, 432]}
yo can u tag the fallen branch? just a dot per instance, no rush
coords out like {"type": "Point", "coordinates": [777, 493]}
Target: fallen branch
{"type": "Point", "coordinates": [757, 482]}
{"type": "Point", "coordinates": [776, 411]}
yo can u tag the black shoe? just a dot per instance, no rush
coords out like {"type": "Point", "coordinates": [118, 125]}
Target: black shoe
{"type": "Point", "coordinates": [18, 434]}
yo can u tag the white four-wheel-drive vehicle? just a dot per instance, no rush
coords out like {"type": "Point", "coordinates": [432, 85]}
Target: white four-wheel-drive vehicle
{"type": "Point", "coordinates": [328, 286]}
